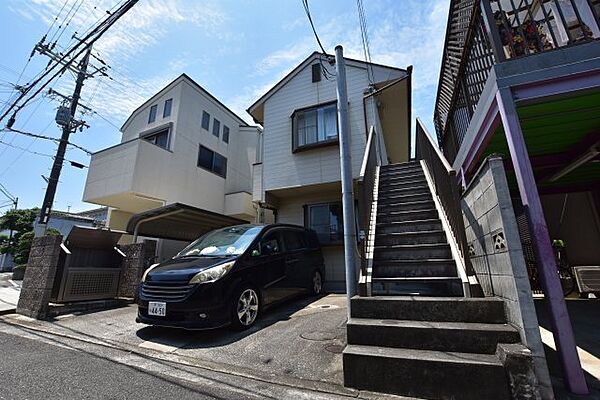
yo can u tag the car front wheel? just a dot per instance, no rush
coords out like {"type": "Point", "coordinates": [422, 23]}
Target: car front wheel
{"type": "Point", "coordinates": [245, 308]}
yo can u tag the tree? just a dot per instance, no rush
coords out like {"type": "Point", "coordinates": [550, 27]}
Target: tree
{"type": "Point", "coordinates": [23, 247]}
{"type": "Point", "coordinates": [20, 222]}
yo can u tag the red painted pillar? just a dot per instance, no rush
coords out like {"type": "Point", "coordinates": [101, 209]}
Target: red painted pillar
{"type": "Point", "coordinates": [559, 317]}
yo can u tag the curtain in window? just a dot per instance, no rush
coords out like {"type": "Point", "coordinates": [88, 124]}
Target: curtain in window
{"type": "Point", "coordinates": [327, 123]}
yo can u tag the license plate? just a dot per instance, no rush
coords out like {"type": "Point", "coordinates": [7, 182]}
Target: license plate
{"type": "Point", "coordinates": [157, 308]}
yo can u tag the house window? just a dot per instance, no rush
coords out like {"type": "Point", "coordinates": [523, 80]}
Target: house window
{"type": "Point", "coordinates": [216, 127]}
{"type": "Point", "coordinates": [327, 221]}
{"type": "Point", "coordinates": [152, 115]}
{"type": "Point", "coordinates": [167, 109]}
{"type": "Point", "coordinates": [205, 120]}
{"type": "Point", "coordinates": [225, 133]}
{"type": "Point", "coordinates": [212, 161]}
{"type": "Point", "coordinates": [316, 72]}
{"type": "Point", "coordinates": [314, 126]}
{"type": "Point", "coordinates": [160, 138]}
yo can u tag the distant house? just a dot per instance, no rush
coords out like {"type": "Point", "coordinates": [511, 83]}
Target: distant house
{"type": "Point", "coordinates": [182, 151]}
{"type": "Point", "coordinates": [297, 174]}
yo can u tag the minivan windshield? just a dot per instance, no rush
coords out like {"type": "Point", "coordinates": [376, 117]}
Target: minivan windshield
{"type": "Point", "coordinates": [233, 240]}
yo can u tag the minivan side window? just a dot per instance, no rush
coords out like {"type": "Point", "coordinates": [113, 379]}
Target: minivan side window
{"type": "Point", "coordinates": [294, 240]}
{"type": "Point", "coordinates": [270, 244]}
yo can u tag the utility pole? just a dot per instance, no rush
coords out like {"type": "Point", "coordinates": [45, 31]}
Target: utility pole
{"type": "Point", "coordinates": [350, 249]}
{"type": "Point", "coordinates": [69, 124]}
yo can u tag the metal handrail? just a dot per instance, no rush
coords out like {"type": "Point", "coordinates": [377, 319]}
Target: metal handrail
{"type": "Point", "coordinates": [446, 187]}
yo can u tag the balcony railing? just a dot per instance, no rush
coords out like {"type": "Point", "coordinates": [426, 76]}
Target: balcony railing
{"type": "Point", "coordinates": [500, 30]}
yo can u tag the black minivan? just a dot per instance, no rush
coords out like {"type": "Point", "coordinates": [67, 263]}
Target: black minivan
{"type": "Point", "coordinates": [229, 275]}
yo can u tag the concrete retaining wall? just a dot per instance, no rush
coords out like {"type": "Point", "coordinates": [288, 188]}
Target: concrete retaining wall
{"type": "Point", "coordinates": [497, 257]}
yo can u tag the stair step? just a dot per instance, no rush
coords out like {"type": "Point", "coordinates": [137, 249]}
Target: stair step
{"type": "Point", "coordinates": [408, 268]}
{"type": "Point", "coordinates": [396, 182]}
{"type": "Point", "coordinates": [438, 286]}
{"type": "Point", "coordinates": [412, 251]}
{"type": "Point", "coordinates": [430, 224]}
{"type": "Point", "coordinates": [398, 190]}
{"type": "Point", "coordinates": [402, 175]}
{"type": "Point", "coordinates": [402, 167]}
{"type": "Point", "coordinates": [425, 195]}
{"type": "Point", "coordinates": [425, 373]}
{"type": "Point", "coordinates": [411, 215]}
{"type": "Point", "coordinates": [464, 337]}
{"type": "Point", "coordinates": [422, 237]}
{"type": "Point", "coordinates": [441, 309]}
{"type": "Point", "coordinates": [406, 206]}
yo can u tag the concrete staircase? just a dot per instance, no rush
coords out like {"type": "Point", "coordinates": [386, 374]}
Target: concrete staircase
{"type": "Point", "coordinates": [428, 347]}
{"type": "Point", "coordinates": [417, 335]}
{"type": "Point", "coordinates": [412, 255]}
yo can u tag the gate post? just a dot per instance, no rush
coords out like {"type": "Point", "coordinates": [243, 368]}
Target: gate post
{"type": "Point", "coordinates": [40, 274]}
{"type": "Point", "coordinates": [132, 269]}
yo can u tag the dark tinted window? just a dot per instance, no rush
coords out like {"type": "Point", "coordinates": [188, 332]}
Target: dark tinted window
{"type": "Point", "coordinates": [205, 120]}
{"type": "Point", "coordinates": [212, 161]}
{"type": "Point", "coordinates": [225, 133]}
{"type": "Point", "coordinates": [160, 139]}
{"type": "Point", "coordinates": [294, 240]}
{"type": "Point", "coordinates": [205, 158]}
{"type": "Point", "coordinates": [152, 115]}
{"type": "Point", "coordinates": [216, 127]}
{"type": "Point", "coordinates": [327, 221]}
{"type": "Point", "coordinates": [316, 72]}
{"type": "Point", "coordinates": [270, 244]}
{"type": "Point", "coordinates": [167, 109]}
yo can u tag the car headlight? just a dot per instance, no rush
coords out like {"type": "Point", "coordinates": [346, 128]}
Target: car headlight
{"type": "Point", "coordinates": [213, 273]}
{"type": "Point", "coordinates": [150, 268]}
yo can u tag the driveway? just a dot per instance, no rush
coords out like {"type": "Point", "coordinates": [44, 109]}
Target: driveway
{"type": "Point", "coordinates": [298, 343]}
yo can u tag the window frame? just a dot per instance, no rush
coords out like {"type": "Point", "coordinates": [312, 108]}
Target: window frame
{"type": "Point", "coordinates": [217, 124]}
{"type": "Point", "coordinates": [323, 143]}
{"type": "Point", "coordinates": [155, 131]}
{"type": "Point", "coordinates": [225, 137]}
{"type": "Point", "coordinates": [170, 102]}
{"type": "Point", "coordinates": [205, 113]}
{"type": "Point", "coordinates": [152, 113]}
{"type": "Point", "coordinates": [307, 224]}
{"type": "Point", "coordinates": [212, 168]}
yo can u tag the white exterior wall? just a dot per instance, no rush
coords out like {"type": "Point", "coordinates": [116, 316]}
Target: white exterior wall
{"type": "Point", "coordinates": [138, 168]}
{"type": "Point", "coordinates": [282, 168]}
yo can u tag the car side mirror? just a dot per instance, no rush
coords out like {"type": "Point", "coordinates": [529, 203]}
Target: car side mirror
{"type": "Point", "coordinates": [255, 253]}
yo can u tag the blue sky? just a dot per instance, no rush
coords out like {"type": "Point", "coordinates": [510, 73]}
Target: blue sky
{"type": "Point", "coordinates": [235, 49]}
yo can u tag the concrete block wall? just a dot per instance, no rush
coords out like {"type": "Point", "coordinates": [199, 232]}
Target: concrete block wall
{"type": "Point", "coordinates": [497, 257]}
{"type": "Point", "coordinates": [39, 277]}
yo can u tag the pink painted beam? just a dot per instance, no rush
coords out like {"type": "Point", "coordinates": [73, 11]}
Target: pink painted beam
{"type": "Point", "coordinates": [559, 317]}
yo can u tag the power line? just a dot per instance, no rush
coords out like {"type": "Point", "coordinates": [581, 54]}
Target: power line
{"type": "Point", "coordinates": [56, 140]}
{"type": "Point", "coordinates": [26, 150]}
{"type": "Point", "coordinates": [307, 10]}
{"type": "Point", "coordinates": [365, 40]}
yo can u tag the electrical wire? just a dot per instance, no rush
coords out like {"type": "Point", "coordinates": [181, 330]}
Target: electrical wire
{"type": "Point", "coordinates": [365, 40]}
{"type": "Point", "coordinates": [53, 139]}
{"type": "Point", "coordinates": [26, 150]}
{"type": "Point", "coordinates": [307, 10]}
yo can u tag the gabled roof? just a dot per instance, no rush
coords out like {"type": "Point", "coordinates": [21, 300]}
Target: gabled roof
{"type": "Point", "coordinates": [349, 61]}
{"type": "Point", "coordinates": [183, 77]}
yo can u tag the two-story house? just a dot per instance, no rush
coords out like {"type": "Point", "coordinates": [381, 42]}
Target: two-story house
{"type": "Point", "coordinates": [297, 175]}
{"type": "Point", "coordinates": [182, 146]}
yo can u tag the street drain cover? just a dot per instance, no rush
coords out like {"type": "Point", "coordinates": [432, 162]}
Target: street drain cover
{"type": "Point", "coordinates": [318, 336]}
{"type": "Point", "coordinates": [334, 348]}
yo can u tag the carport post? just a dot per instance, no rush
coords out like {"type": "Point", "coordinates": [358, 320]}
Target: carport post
{"type": "Point", "coordinates": [350, 250]}
{"type": "Point", "coordinates": [559, 317]}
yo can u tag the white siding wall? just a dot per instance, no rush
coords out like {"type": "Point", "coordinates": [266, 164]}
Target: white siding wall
{"type": "Point", "coordinates": [282, 168]}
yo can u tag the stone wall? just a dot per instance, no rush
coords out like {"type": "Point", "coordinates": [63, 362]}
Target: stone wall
{"type": "Point", "coordinates": [497, 257]}
{"type": "Point", "coordinates": [39, 277]}
{"type": "Point", "coordinates": [132, 269]}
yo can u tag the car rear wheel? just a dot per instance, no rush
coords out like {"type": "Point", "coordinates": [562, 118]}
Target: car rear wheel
{"type": "Point", "coordinates": [245, 308]}
{"type": "Point", "coordinates": [316, 287]}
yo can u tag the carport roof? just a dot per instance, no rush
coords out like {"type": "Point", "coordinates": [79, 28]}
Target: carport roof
{"type": "Point", "coordinates": [178, 221]}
